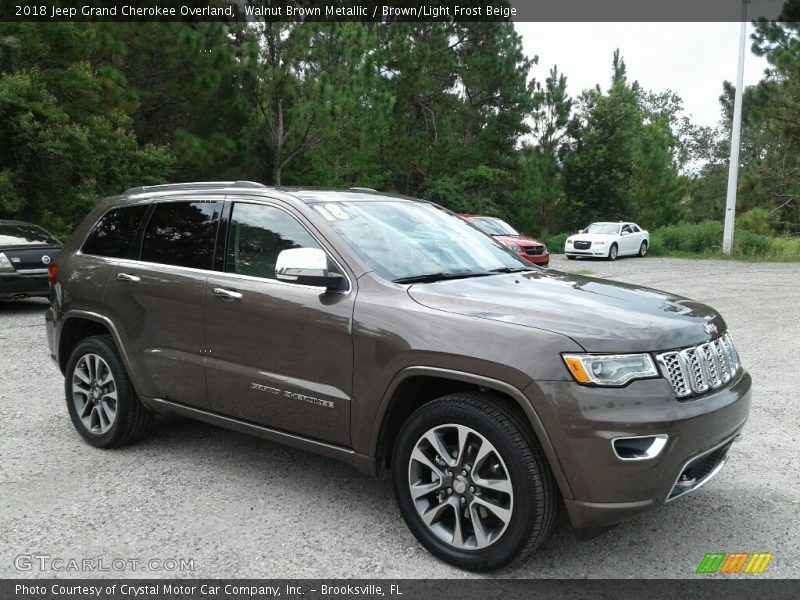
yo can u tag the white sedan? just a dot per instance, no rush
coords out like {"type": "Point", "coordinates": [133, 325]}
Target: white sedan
{"type": "Point", "coordinates": [608, 240]}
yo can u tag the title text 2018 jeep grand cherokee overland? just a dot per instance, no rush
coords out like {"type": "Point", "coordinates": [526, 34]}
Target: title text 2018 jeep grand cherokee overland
{"type": "Point", "coordinates": [393, 335]}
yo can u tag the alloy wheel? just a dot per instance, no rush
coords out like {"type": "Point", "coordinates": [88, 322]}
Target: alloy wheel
{"type": "Point", "coordinates": [460, 486]}
{"type": "Point", "coordinates": [94, 393]}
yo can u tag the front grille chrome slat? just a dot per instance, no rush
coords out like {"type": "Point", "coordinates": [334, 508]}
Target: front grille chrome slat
{"type": "Point", "coordinates": [698, 373]}
{"type": "Point", "coordinates": [698, 369]}
{"type": "Point", "coordinates": [724, 367]}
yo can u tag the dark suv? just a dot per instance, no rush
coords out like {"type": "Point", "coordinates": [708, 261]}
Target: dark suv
{"type": "Point", "coordinates": [390, 334]}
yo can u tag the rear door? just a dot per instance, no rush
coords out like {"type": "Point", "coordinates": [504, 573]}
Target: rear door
{"type": "Point", "coordinates": [638, 235]}
{"type": "Point", "coordinates": [156, 298]}
{"type": "Point", "coordinates": [280, 354]}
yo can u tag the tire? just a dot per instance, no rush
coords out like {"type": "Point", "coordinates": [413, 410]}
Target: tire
{"type": "Point", "coordinates": [613, 251]}
{"type": "Point", "coordinates": [101, 419]}
{"type": "Point", "coordinates": [643, 249]}
{"type": "Point", "coordinates": [512, 461]}
{"type": "Point", "coordinates": [571, 257]}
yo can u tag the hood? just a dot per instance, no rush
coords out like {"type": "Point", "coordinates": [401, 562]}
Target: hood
{"type": "Point", "coordinates": [600, 315]}
{"type": "Point", "coordinates": [519, 240]}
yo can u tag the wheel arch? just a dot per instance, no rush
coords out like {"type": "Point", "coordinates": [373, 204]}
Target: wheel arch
{"type": "Point", "coordinates": [77, 326]}
{"type": "Point", "coordinates": [428, 383]}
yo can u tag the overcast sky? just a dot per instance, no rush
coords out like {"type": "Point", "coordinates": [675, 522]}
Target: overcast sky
{"type": "Point", "coordinates": [691, 59]}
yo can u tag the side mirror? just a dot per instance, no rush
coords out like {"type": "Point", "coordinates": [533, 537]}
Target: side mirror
{"type": "Point", "coordinates": [580, 230]}
{"type": "Point", "coordinates": [306, 266]}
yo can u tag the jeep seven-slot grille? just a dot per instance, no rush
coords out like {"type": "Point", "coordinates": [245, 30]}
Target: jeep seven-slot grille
{"type": "Point", "coordinates": [696, 370]}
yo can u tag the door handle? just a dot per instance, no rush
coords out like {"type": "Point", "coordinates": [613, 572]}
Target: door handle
{"type": "Point", "coordinates": [128, 277]}
{"type": "Point", "coordinates": [226, 294]}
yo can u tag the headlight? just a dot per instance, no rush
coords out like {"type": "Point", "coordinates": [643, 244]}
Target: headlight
{"type": "Point", "coordinates": [513, 247]}
{"type": "Point", "coordinates": [569, 242]}
{"type": "Point", "coordinates": [608, 369]}
{"type": "Point", "coordinates": [544, 249]}
{"type": "Point", "coordinates": [5, 264]}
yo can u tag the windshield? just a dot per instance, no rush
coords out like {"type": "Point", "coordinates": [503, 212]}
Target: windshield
{"type": "Point", "coordinates": [493, 226]}
{"type": "Point", "coordinates": [402, 240]}
{"type": "Point", "coordinates": [603, 228]}
{"type": "Point", "coordinates": [25, 235]}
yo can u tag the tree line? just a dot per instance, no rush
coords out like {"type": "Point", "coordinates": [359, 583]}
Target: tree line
{"type": "Point", "coordinates": [448, 112]}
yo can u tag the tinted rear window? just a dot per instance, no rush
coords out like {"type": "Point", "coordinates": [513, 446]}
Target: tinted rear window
{"type": "Point", "coordinates": [114, 232]}
{"type": "Point", "coordinates": [25, 235]}
{"type": "Point", "coordinates": [181, 234]}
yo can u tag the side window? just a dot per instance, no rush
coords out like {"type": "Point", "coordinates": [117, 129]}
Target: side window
{"type": "Point", "coordinates": [181, 234]}
{"type": "Point", "coordinates": [114, 232]}
{"type": "Point", "coordinates": [257, 234]}
{"type": "Point", "coordinates": [634, 229]}
{"type": "Point", "coordinates": [626, 229]}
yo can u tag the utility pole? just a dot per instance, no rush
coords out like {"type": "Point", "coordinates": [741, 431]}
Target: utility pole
{"type": "Point", "coordinates": [733, 165]}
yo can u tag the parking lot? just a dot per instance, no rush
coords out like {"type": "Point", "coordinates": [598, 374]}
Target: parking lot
{"type": "Point", "coordinates": [238, 506]}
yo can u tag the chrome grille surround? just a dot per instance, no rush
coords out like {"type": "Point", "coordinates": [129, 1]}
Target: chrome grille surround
{"type": "Point", "coordinates": [696, 370]}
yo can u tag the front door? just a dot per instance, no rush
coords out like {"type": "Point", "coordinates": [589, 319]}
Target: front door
{"type": "Point", "coordinates": [279, 354]}
{"type": "Point", "coordinates": [628, 240]}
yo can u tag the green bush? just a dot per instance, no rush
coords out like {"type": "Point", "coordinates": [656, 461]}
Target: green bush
{"type": "Point", "coordinates": [755, 220]}
{"type": "Point", "coordinates": [705, 237]}
{"type": "Point", "coordinates": [752, 245]}
{"type": "Point", "coordinates": [554, 243]}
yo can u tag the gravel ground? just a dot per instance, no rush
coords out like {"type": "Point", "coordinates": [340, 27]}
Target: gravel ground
{"type": "Point", "coordinates": [242, 507]}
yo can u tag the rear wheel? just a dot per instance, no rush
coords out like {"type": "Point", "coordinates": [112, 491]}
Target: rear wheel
{"type": "Point", "coordinates": [101, 401]}
{"type": "Point", "coordinates": [472, 483]}
{"type": "Point", "coordinates": [612, 252]}
{"type": "Point", "coordinates": [643, 249]}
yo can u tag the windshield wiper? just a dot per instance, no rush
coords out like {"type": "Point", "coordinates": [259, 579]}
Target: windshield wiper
{"type": "Point", "coordinates": [432, 277]}
{"type": "Point", "coordinates": [511, 269]}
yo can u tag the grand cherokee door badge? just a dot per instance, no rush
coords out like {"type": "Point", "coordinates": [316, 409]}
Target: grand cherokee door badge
{"type": "Point", "coordinates": [293, 395]}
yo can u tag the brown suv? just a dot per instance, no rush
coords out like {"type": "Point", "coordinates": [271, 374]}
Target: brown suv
{"type": "Point", "coordinates": [391, 334]}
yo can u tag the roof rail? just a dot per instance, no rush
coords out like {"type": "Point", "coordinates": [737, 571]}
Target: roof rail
{"type": "Point", "coordinates": [363, 189]}
{"type": "Point", "coordinates": [197, 185]}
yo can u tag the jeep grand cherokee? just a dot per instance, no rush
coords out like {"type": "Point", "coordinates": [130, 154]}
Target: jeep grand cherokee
{"type": "Point", "coordinates": [388, 333]}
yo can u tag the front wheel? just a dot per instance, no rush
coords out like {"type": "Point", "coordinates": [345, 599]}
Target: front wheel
{"type": "Point", "coordinates": [643, 249]}
{"type": "Point", "coordinates": [472, 483]}
{"type": "Point", "coordinates": [571, 257]}
{"type": "Point", "coordinates": [612, 252]}
{"type": "Point", "coordinates": [101, 401]}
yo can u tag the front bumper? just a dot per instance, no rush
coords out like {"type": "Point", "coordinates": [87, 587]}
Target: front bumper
{"type": "Point", "coordinates": [542, 260]}
{"type": "Point", "coordinates": [583, 421]}
{"type": "Point", "coordinates": [593, 251]}
{"type": "Point", "coordinates": [23, 285]}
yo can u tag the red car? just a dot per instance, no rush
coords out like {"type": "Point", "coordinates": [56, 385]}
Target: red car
{"type": "Point", "coordinates": [528, 248]}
